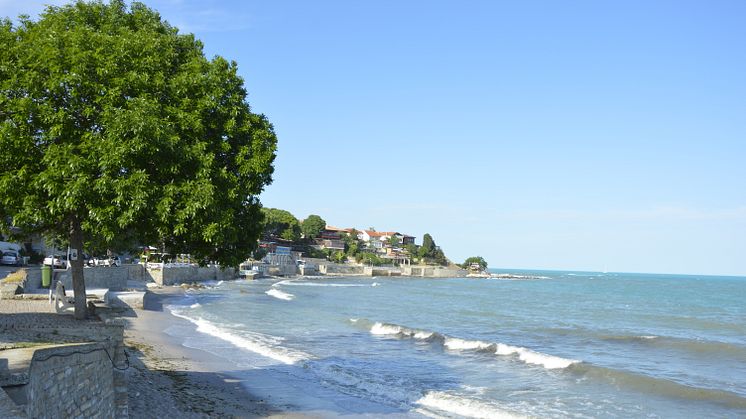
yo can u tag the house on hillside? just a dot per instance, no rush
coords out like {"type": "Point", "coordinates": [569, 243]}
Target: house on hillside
{"type": "Point", "coordinates": [381, 241]}
{"type": "Point", "coordinates": [331, 238]}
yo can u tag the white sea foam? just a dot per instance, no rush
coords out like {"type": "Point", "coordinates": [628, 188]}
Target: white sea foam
{"type": "Point", "coordinates": [528, 356]}
{"type": "Point", "coordinates": [525, 355]}
{"type": "Point", "coordinates": [255, 342]}
{"type": "Point", "coordinates": [463, 406]}
{"type": "Point", "coordinates": [319, 284]}
{"type": "Point", "coordinates": [283, 282]}
{"type": "Point", "coordinates": [274, 292]}
{"type": "Point", "coordinates": [549, 362]}
{"type": "Point", "coordinates": [375, 284]}
{"type": "Point", "coordinates": [195, 305]}
{"type": "Point", "coordinates": [461, 344]}
{"type": "Point", "coordinates": [421, 334]}
{"type": "Point", "coordinates": [385, 329]}
{"type": "Point", "coordinates": [385, 389]}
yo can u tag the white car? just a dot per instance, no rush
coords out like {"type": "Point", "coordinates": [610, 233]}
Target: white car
{"type": "Point", "coordinates": [113, 261]}
{"type": "Point", "coordinates": [56, 261]}
{"type": "Point", "coordinates": [11, 258]}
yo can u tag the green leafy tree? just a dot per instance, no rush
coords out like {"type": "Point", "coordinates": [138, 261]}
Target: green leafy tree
{"type": "Point", "coordinates": [369, 258]}
{"type": "Point", "coordinates": [112, 123]}
{"type": "Point", "coordinates": [312, 226]}
{"type": "Point", "coordinates": [411, 249]}
{"type": "Point", "coordinates": [280, 223]}
{"type": "Point", "coordinates": [352, 243]}
{"type": "Point", "coordinates": [338, 257]}
{"type": "Point", "coordinates": [430, 252]}
{"type": "Point", "coordinates": [476, 260]}
{"type": "Point", "coordinates": [259, 253]}
{"type": "Point", "coordinates": [394, 241]}
{"type": "Point", "coordinates": [427, 250]}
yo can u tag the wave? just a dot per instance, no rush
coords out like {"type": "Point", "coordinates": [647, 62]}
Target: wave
{"type": "Point", "coordinates": [195, 305]}
{"type": "Point", "coordinates": [319, 284]}
{"type": "Point", "coordinates": [388, 389]}
{"type": "Point", "coordinates": [525, 355]}
{"type": "Point", "coordinates": [701, 347]}
{"type": "Point", "coordinates": [463, 406]}
{"type": "Point", "coordinates": [647, 384]}
{"type": "Point", "coordinates": [274, 292]}
{"type": "Point", "coordinates": [264, 345]}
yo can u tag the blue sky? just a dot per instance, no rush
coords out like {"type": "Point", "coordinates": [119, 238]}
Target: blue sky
{"type": "Point", "coordinates": [577, 135]}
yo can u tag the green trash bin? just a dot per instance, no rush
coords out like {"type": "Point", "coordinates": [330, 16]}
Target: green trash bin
{"type": "Point", "coordinates": [46, 276]}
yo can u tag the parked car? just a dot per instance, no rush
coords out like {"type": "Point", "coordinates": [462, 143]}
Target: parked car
{"type": "Point", "coordinates": [110, 261]}
{"type": "Point", "coordinates": [12, 258]}
{"type": "Point", "coordinates": [56, 261]}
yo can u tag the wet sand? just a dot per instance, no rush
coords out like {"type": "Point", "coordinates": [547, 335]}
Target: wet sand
{"type": "Point", "coordinates": [167, 379]}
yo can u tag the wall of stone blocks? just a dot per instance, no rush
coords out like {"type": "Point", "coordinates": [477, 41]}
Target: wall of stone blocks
{"type": "Point", "coordinates": [111, 277]}
{"type": "Point", "coordinates": [72, 381]}
{"type": "Point", "coordinates": [187, 274]}
{"type": "Point", "coordinates": [115, 277]}
{"type": "Point", "coordinates": [336, 269]}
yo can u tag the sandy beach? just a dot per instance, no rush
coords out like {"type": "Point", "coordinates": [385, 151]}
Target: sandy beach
{"type": "Point", "coordinates": [167, 379]}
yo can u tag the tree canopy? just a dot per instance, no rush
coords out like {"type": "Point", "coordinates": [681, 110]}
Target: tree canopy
{"type": "Point", "coordinates": [280, 223]}
{"type": "Point", "coordinates": [113, 124]}
{"type": "Point", "coordinates": [478, 260]}
{"type": "Point", "coordinates": [429, 251]}
{"type": "Point", "coordinates": [312, 226]}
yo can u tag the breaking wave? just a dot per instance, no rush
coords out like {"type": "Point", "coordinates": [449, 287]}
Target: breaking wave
{"type": "Point", "coordinates": [525, 355]}
{"type": "Point", "coordinates": [265, 345]}
{"type": "Point", "coordinates": [274, 292]}
{"type": "Point", "coordinates": [319, 284]}
{"type": "Point", "coordinates": [463, 406]}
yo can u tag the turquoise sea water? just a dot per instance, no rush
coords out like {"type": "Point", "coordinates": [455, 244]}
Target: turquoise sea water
{"type": "Point", "coordinates": [572, 344]}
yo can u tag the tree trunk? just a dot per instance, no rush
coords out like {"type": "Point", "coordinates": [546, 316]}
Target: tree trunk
{"type": "Point", "coordinates": [76, 242]}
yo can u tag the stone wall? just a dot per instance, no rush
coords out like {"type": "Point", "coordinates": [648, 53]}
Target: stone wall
{"type": "Point", "coordinates": [76, 377]}
{"type": "Point", "coordinates": [182, 274]}
{"type": "Point", "coordinates": [71, 381]}
{"type": "Point", "coordinates": [337, 269]}
{"type": "Point", "coordinates": [380, 271]}
{"type": "Point", "coordinates": [433, 272]}
{"type": "Point", "coordinates": [282, 270]}
{"type": "Point", "coordinates": [114, 277]}
{"type": "Point", "coordinates": [109, 277]}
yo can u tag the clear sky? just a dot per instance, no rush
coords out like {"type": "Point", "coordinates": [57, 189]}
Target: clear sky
{"type": "Point", "coordinates": [579, 135]}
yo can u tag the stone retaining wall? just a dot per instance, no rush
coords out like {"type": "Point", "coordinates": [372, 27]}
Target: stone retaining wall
{"type": "Point", "coordinates": [181, 274]}
{"type": "Point", "coordinates": [71, 381]}
{"type": "Point", "coordinates": [378, 271]}
{"type": "Point", "coordinates": [433, 272]}
{"type": "Point", "coordinates": [111, 277]}
{"type": "Point", "coordinates": [282, 270]}
{"type": "Point", "coordinates": [337, 269]}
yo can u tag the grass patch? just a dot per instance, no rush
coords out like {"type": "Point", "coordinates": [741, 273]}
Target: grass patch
{"type": "Point", "coordinates": [16, 277]}
{"type": "Point", "coordinates": [20, 345]}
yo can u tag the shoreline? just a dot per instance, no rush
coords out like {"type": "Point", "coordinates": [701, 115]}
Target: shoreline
{"type": "Point", "coordinates": [168, 379]}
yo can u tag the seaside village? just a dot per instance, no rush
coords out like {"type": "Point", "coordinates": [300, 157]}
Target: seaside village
{"type": "Point", "coordinates": [52, 365]}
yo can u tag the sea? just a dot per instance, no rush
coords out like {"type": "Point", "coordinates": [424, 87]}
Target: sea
{"type": "Point", "coordinates": [547, 344]}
